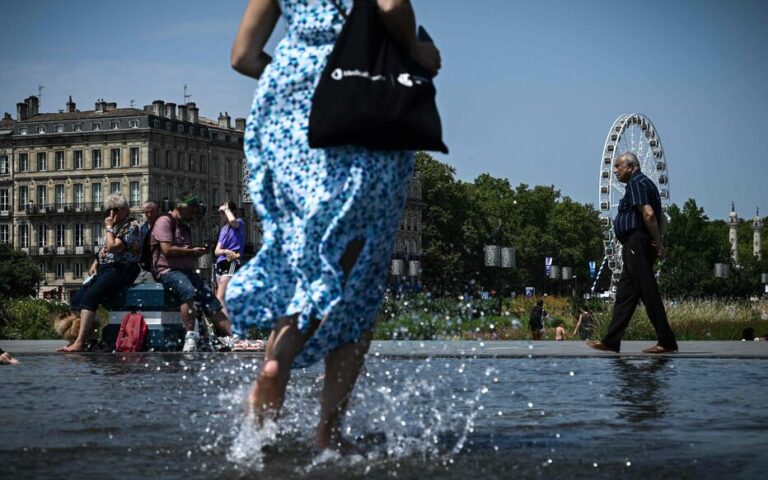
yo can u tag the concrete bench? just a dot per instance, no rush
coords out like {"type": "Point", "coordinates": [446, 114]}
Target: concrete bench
{"type": "Point", "coordinates": [165, 331]}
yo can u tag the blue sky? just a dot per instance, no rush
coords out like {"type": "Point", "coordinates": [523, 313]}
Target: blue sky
{"type": "Point", "coordinates": [528, 90]}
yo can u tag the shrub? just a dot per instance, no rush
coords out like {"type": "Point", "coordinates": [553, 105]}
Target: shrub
{"type": "Point", "coordinates": [30, 319]}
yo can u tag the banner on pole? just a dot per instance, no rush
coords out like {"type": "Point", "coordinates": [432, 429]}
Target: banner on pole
{"type": "Point", "coordinates": [547, 265]}
{"type": "Point", "coordinates": [592, 270]}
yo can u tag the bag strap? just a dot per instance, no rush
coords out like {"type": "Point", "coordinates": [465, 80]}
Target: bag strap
{"type": "Point", "coordinates": [341, 10]}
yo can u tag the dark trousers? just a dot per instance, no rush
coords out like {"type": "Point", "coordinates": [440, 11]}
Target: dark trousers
{"type": "Point", "coordinates": [637, 282]}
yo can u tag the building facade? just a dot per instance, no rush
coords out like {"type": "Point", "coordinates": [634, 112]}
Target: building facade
{"type": "Point", "coordinates": [56, 169]}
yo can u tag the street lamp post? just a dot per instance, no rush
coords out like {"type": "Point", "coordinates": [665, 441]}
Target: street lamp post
{"type": "Point", "coordinates": [499, 257]}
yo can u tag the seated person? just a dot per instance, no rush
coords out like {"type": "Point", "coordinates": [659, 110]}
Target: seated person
{"type": "Point", "coordinates": [174, 261]}
{"type": "Point", "coordinates": [118, 266]}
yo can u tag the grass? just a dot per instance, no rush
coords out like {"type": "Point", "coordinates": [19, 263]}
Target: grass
{"type": "Point", "coordinates": [416, 317]}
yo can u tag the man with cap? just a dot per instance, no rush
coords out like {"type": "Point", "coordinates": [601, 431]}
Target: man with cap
{"type": "Point", "coordinates": [174, 265]}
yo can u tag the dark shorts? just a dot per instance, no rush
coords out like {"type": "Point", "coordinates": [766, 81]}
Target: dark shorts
{"type": "Point", "coordinates": [225, 267]}
{"type": "Point", "coordinates": [106, 288]}
{"type": "Point", "coordinates": [187, 285]}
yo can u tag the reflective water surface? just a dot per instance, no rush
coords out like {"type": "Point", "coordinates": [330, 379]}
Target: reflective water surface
{"type": "Point", "coordinates": [173, 416]}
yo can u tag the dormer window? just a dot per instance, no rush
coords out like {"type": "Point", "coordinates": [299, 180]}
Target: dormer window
{"type": "Point", "coordinates": [114, 125]}
{"type": "Point", "coordinates": [41, 129]}
{"type": "Point", "coordinates": [59, 128]}
{"type": "Point", "coordinates": [133, 124]}
{"type": "Point", "coordinates": [23, 130]}
{"type": "Point", "coordinates": [77, 127]}
{"type": "Point", "coordinates": [96, 126]}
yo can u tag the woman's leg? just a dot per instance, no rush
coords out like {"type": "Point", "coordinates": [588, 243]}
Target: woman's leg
{"type": "Point", "coordinates": [268, 392]}
{"type": "Point", "coordinates": [87, 318]}
{"type": "Point", "coordinates": [342, 368]}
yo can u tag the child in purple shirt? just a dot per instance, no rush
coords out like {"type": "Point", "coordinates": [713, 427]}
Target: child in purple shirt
{"type": "Point", "coordinates": [229, 249]}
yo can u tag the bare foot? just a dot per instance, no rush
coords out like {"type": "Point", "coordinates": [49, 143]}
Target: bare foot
{"type": "Point", "coordinates": [7, 359]}
{"type": "Point", "coordinates": [72, 347]}
{"type": "Point", "coordinates": [264, 398]}
{"type": "Point", "coordinates": [336, 443]}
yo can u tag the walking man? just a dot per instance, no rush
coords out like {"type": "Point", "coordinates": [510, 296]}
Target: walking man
{"type": "Point", "coordinates": [637, 228]}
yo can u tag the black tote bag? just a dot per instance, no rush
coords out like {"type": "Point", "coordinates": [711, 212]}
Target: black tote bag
{"type": "Point", "coordinates": [372, 94]}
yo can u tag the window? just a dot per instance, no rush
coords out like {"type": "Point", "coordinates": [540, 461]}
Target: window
{"type": "Point", "coordinates": [23, 196]}
{"type": "Point", "coordinates": [78, 194]}
{"type": "Point", "coordinates": [168, 125]}
{"type": "Point", "coordinates": [133, 123]}
{"type": "Point", "coordinates": [95, 158]}
{"type": "Point", "coordinates": [59, 160]}
{"type": "Point", "coordinates": [179, 161]}
{"type": "Point", "coordinates": [5, 169]}
{"type": "Point", "coordinates": [114, 187]}
{"type": "Point", "coordinates": [96, 196]}
{"type": "Point", "coordinates": [156, 158]}
{"type": "Point", "coordinates": [59, 270]}
{"type": "Point", "coordinates": [135, 194]}
{"type": "Point", "coordinates": [24, 235]}
{"type": "Point", "coordinates": [23, 162]}
{"type": "Point", "coordinates": [58, 197]}
{"type": "Point", "coordinates": [114, 125]}
{"type": "Point", "coordinates": [4, 234]}
{"type": "Point", "coordinates": [79, 235]}
{"type": "Point", "coordinates": [41, 129]}
{"type": "Point", "coordinates": [156, 123]}
{"type": "Point", "coordinates": [77, 127]}
{"type": "Point", "coordinates": [61, 233]}
{"type": "Point", "coordinates": [78, 267]}
{"type": "Point", "coordinates": [42, 162]}
{"type": "Point", "coordinates": [23, 130]}
{"type": "Point", "coordinates": [42, 196]}
{"type": "Point", "coordinates": [96, 126]}
{"type": "Point", "coordinates": [77, 159]}
{"type": "Point", "coordinates": [226, 167]}
{"type": "Point", "coordinates": [215, 197]}
{"type": "Point", "coordinates": [115, 156]}
{"type": "Point", "coordinates": [180, 128]}
{"type": "Point", "coordinates": [135, 156]}
{"type": "Point", "coordinates": [167, 159]}
{"type": "Point", "coordinates": [191, 166]}
{"type": "Point", "coordinates": [59, 128]}
{"type": "Point", "coordinates": [4, 198]}
{"type": "Point", "coordinates": [202, 163]}
{"type": "Point", "coordinates": [98, 238]}
{"type": "Point", "coordinates": [42, 235]}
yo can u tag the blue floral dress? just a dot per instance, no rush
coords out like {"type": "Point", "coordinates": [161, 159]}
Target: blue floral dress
{"type": "Point", "coordinates": [313, 202]}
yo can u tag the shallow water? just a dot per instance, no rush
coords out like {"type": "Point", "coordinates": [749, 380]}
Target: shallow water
{"type": "Point", "coordinates": [172, 416]}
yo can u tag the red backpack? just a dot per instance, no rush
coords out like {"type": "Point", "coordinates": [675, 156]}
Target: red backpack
{"type": "Point", "coordinates": [133, 330]}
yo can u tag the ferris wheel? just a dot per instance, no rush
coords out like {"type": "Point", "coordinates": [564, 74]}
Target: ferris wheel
{"type": "Point", "coordinates": [634, 133]}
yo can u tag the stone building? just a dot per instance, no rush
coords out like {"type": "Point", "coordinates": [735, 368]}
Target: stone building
{"type": "Point", "coordinates": [57, 168]}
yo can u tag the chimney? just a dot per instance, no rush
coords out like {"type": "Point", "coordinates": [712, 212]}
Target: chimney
{"type": "Point", "coordinates": [101, 105]}
{"type": "Point", "coordinates": [70, 105]}
{"type": "Point", "coordinates": [182, 112]}
{"type": "Point", "coordinates": [224, 120]}
{"type": "Point", "coordinates": [33, 105]}
{"type": "Point", "coordinates": [21, 111]}
{"type": "Point", "coordinates": [240, 124]}
{"type": "Point", "coordinates": [111, 106]}
{"type": "Point", "coordinates": [157, 108]}
{"type": "Point", "coordinates": [7, 121]}
{"type": "Point", "coordinates": [170, 110]}
{"type": "Point", "coordinates": [193, 112]}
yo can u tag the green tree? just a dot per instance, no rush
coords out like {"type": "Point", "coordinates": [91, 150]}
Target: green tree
{"type": "Point", "coordinates": [19, 275]}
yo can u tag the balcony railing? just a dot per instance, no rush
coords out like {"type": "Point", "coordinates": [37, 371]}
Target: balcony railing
{"type": "Point", "coordinates": [62, 208]}
{"type": "Point", "coordinates": [60, 250]}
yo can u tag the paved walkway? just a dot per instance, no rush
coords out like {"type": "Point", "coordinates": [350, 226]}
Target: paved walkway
{"type": "Point", "coordinates": [487, 349]}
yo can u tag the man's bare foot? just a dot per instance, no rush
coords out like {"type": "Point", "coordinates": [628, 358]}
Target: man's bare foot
{"type": "Point", "coordinates": [264, 399]}
{"type": "Point", "coordinates": [7, 359]}
{"type": "Point", "coordinates": [72, 347]}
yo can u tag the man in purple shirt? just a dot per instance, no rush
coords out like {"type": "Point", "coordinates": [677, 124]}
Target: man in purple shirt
{"type": "Point", "coordinates": [174, 263]}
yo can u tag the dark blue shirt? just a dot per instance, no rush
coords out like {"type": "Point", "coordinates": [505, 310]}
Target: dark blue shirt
{"type": "Point", "coordinates": [640, 190]}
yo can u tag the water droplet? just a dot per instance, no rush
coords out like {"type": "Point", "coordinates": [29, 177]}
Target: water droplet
{"type": "Point", "coordinates": [571, 373]}
{"type": "Point", "coordinates": [530, 405]}
{"type": "Point", "coordinates": [594, 464]}
{"type": "Point", "coordinates": [549, 460]}
{"type": "Point", "coordinates": [629, 464]}
{"type": "Point", "coordinates": [557, 435]}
